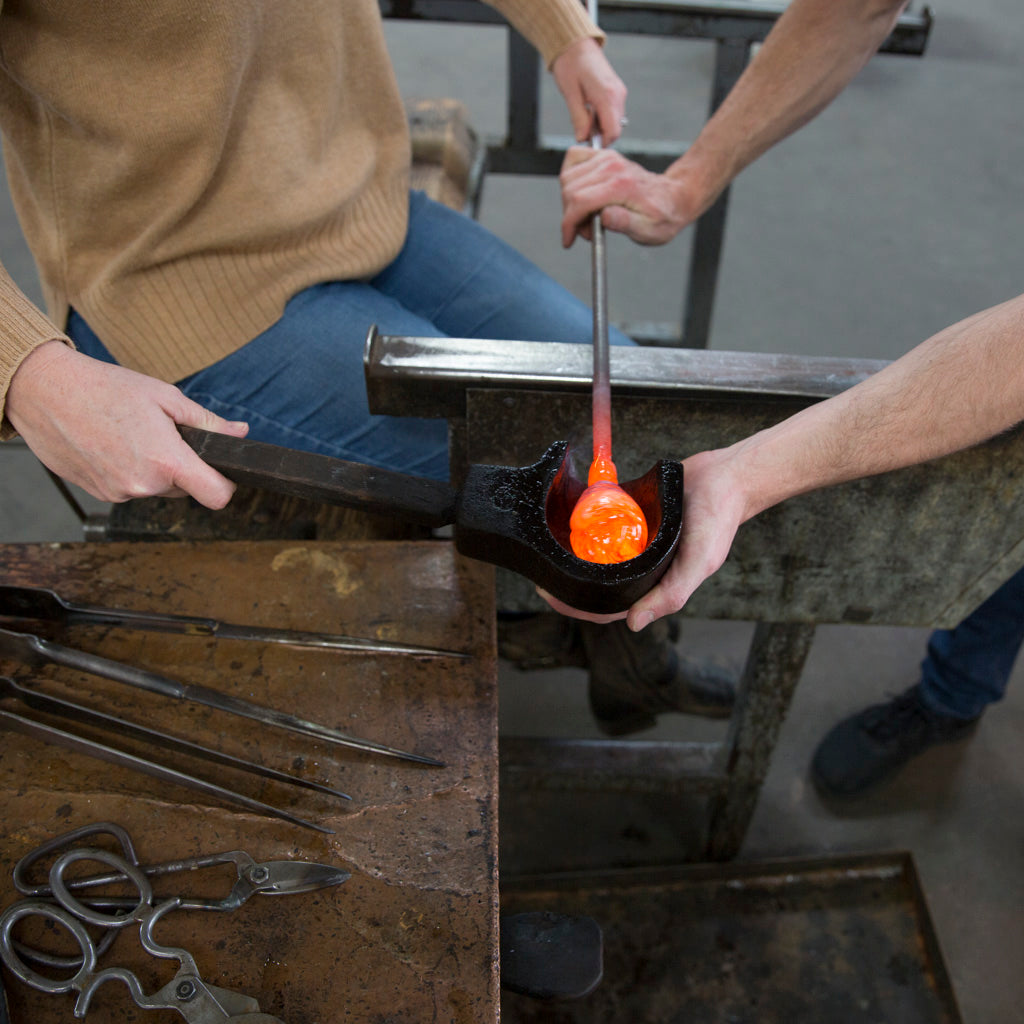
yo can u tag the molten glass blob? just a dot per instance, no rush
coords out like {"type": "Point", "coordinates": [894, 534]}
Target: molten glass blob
{"type": "Point", "coordinates": [606, 525]}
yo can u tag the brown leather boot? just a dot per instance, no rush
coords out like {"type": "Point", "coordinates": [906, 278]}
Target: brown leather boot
{"type": "Point", "coordinates": [634, 677]}
{"type": "Point", "coordinates": [539, 640]}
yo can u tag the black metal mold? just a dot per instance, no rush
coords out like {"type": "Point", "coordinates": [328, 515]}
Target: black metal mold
{"type": "Point", "coordinates": [518, 518]}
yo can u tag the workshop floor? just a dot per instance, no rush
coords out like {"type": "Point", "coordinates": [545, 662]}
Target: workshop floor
{"type": "Point", "coordinates": [896, 212]}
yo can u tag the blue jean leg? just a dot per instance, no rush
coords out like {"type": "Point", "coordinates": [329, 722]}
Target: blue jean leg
{"type": "Point", "coordinates": [470, 284]}
{"type": "Point", "coordinates": [968, 667]}
{"type": "Point", "coordinates": [300, 383]}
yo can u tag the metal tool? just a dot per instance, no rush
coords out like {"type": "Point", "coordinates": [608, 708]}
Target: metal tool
{"type": "Point", "coordinates": [602, 388]}
{"type": "Point", "coordinates": [268, 878]}
{"type": "Point", "coordinates": [122, 727]}
{"type": "Point", "coordinates": [517, 518]}
{"type": "Point", "coordinates": [264, 878]}
{"type": "Point", "coordinates": [36, 651]}
{"type": "Point", "coordinates": [23, 602]}
{"type": "Point", "coordinates": [187, 993]}
{"type": "Point", "coordinates": [104, 752]}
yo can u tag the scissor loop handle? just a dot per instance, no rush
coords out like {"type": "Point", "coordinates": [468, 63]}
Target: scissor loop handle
{"type": "Point", "coordinates": [62, 893]}
{"type": "Point", "coordinates": [34, 907]}
{"type": "Point", "coordinates": [66, 840]}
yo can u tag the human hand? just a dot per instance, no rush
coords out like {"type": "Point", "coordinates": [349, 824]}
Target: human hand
{"type": "Point", "coordinates": [715, 506]}
{"type": "Point", "coordinates": [650, 208]}
{"type": "Point", "coordinates": [112, 431]}
{"type": "Point", "coordinates": [590, 88]}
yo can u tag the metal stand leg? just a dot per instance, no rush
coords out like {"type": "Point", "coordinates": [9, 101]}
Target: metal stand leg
{"type": "Point", "coordinates": [774, 663]}
{"type": "Point", "coordinates": [731, 57]}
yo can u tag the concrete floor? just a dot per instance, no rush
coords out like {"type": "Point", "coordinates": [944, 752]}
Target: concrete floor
{"type": "Point", "coordinates": [896, 212]}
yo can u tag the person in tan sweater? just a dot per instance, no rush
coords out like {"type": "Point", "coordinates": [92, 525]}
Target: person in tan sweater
{"type": "Point", "coordinates": [217, 199]}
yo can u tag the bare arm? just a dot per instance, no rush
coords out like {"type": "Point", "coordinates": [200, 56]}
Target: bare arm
{"type": "Point", "coordinates": [961, 386]}
{"type": "Point", "coordinates": [811, 54]}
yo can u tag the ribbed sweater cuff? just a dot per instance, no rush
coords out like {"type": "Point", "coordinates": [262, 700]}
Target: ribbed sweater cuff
{"type": "Point", "coordinates": [551, 25]}
{"type": "Point", "coordinates": [23, 328]}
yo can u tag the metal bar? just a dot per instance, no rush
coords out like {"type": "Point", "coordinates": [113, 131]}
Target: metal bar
{"type": "Point", "coordinates": [430, 376]}
{"type": "Point", "coordinates": [546, 763]}
{"type": "Point", "coordinates": [723, 20]}
{"type": "Point", "coordinates": [79, 713]}
{"type": "Point", "coordinates": [546, 157]}
{"type": "Point", "coordinates": [34, 650]}
{"type": "Point", "coordinates": [40, 603]}
{"type": "Point", "coordinates": [774, 663]}
{"type": "Point", "coordinates": [602, 388]}
{"type": "Point", "coordinates": [731, 58]}
{"type": "Point", "coordinates": [50, 734]}
{"type": "Point", "coordinates": [523, 109]}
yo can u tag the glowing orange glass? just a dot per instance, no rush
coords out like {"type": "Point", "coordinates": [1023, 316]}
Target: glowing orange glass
{"type": "Point", "coordinates": [606, 525]}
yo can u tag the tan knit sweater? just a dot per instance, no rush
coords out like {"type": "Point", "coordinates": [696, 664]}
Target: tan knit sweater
{"type": "Point", "coordinates": [182, 168]}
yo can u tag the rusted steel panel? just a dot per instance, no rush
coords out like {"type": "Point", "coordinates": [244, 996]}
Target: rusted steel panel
{"type": "Point", "coordinates": [412, 936]}
{"type": "Point", "coordinates": [845, 938]}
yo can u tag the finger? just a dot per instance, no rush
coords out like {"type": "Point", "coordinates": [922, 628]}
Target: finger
{"type": "Point", "coordinates": [609, 121]}
{"type": "Point", "coordinates": [203, 482]}
{"type": "Point", "coordinates": [192, 414]}
{"type": "Point", "coordinates": [582, 115]}
{"type": "Point", "coordinates": [576, 155]}
{"type": "Point", "coordinates": [576, 613]}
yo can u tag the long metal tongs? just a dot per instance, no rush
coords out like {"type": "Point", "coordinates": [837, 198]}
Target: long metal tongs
{"type": "Point", "coordinates": [74, 712]}
{"type": "Point", "coordinates": [103, 752]}
{"type": "Point", "coordinates": [34, 650]}
{"type": "Point", "coordinates": [23, 602]}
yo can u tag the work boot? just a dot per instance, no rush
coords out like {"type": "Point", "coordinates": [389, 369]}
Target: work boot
{"type": "Point", "coordinates": [634, 677]}
{"type": "Point", "coordinates": [873, 745]}
{"type": "Point", "coordinates": [538, 640]}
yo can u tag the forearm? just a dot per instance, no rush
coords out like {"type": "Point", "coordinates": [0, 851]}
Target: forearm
{"type": "Point", "coordinates": [960, 387]}
{"type": "Point", "coordinates": [23, 328]}
{"type": "Point", "coordinates": [811, 54]}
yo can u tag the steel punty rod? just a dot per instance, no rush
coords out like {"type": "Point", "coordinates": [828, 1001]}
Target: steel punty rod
{"type": "Point", "coordinates": [35, 650]}
{"type": "Point", "coordinates": [602, 395]}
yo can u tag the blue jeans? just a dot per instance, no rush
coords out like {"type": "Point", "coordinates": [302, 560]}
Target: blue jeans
{"type": "Point", "coordinates": [967, 668]}
{"type": "Point", "coordinates": [300, 383]}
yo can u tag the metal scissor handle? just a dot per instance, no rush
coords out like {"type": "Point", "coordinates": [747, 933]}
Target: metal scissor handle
{"type": "Point", "coordinates": [29, 888]}
{"type": "Point", "coordinates": [187, 993]}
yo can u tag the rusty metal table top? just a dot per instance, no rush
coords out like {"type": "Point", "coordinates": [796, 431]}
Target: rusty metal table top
{"type": "Point", "coordinates": [412, 936]}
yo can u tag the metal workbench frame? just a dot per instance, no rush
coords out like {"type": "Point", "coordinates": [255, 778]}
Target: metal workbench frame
{"type": "Point", "coordinates": [734, 27]}
{"type": "Point", "coordinates": [921, 547]}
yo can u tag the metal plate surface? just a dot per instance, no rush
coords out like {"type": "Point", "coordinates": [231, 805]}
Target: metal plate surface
{"type": "Point", "coordinates": [412, 936]}
{"type": "Point", "coordinates": [846, 940]}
